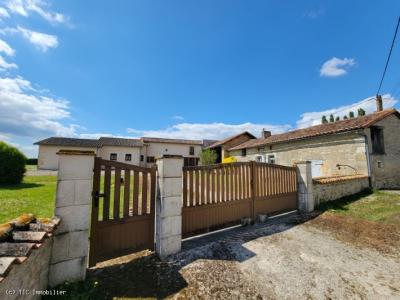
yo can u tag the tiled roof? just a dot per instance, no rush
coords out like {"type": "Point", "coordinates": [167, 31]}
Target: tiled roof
{"type": "Point", "coordinates": [207, 143]}
{"type": "Point", "coordinates": [20, 237]}
{"type": "Point", "coordinates": [61, 141]}
{"type": "Point", "coordinates": [111, 141]}
{"type": "Point", "coordinates": [172, 141]}
{"type": "Point", "coordinates": [221, 142]}
{"type": "Point", "coordinates": [318, 130]}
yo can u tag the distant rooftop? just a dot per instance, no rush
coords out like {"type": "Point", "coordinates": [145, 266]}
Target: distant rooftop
{"type": "Point", "coordinates": [114, 141]}
{"type": "Point", "coordinates": [73, 142]}
{"type": "Point", "coordinates": [172, 141]}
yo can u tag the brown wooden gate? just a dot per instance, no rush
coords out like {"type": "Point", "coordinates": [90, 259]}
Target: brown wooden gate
{"type": "Point", "coordinates": [221, 195]}
{"type": "Point", "coordinates": [123, 210]}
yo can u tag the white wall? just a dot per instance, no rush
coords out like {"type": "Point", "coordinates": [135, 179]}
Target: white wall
{"type": "Point", "coordinates": [159, 149]}
{"type": "Point", "coordinates": [48, 158]}
{"type": "Point", "coordinates": [105, 152]}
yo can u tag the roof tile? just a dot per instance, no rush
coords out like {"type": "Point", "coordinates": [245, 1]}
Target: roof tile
{"type": "Point", "coordinates": [318, 130]}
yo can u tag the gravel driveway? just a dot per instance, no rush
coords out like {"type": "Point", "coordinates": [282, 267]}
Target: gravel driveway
{"type": "Point", "coordinates": [283, 259]}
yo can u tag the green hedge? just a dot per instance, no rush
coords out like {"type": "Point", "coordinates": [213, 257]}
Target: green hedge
{"type": "Point", "coordinates": [32, 161]}
{"type": "Point", "coordinates": [12, 164]}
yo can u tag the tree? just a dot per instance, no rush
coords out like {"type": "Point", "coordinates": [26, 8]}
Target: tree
{"type": "Point", "coordinates": [331, 118]}
{"type": "Point", "coordinates": [12, 164]}
{"type": "Point", "coordinates": [324, 120]}
{"type": "Point", "coordinates": [361, 112]}
{"type": "Point", "coordinates": [345, 117]}
{"type": "Point", "coordinates": [208, 157]}
{"type": "Point", "coordinates": [351, 115]}
{"type": "Point", "coordinates": [337, 119]}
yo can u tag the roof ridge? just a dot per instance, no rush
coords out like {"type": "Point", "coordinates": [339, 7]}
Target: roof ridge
{"type": "Point", "coordinates": [320, 129]}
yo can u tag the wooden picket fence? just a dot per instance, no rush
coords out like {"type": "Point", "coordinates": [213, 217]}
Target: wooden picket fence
{"type": "Point", "coordinates": [221, 195]}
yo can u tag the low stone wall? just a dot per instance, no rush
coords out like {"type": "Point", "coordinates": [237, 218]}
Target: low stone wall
{"type": "Point", "coordinates": [333, 188]}
{"type": "Point", "coordinates": [25, 253]}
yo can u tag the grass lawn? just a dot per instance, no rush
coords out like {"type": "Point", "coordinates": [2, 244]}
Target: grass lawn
{"type": "Point", "coordinates": [36, 194]}
{"type": "Point", "coordinates": [31, 167]}
{"type": "Point", "coordinates": [376, 206]}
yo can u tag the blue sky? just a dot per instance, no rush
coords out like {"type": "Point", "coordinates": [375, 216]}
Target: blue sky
{"type": "Point", "coordinates": [188, 69]}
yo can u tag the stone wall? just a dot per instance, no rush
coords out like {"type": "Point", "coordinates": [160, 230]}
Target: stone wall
{"type": "Point", "coordinates": [347, 149]}
{"type": "Point", "coordinates": [385, 168]}
{"type": "Point", "coordinates": [25, 259]}
{"type": "Point", "coordinates": [333, 188]}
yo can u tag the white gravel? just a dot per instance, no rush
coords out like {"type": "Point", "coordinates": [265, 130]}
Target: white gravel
{"type": "Point", "coordinates": [304, 262]}
{"type": "Point", "coordinates": [286, 262]}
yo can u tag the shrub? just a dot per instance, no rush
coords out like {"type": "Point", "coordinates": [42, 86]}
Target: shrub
{"type": "Point", "coordinates": [32, 161]}
{"type": "Point", "coordinates": [12, 164]}
{"type": "Point", "coordinates": [208, 157]}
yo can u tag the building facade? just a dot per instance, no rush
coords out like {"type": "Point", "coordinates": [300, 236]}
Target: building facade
{"type": "Point", "coordinates": [140, 152]}
{"type": "Point", "coordinates": [367, 145]}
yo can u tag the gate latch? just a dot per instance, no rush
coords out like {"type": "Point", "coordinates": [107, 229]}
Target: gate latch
{"type": "Point", "coordinates": [96, 195]}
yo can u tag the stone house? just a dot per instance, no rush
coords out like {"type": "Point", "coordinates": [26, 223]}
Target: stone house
{"type": "Point", "coordinates": [221, 147]}
{"type": "Point", "coordinates": [367, 145]}
{"type": "Point", "coordinates": [141, 152]}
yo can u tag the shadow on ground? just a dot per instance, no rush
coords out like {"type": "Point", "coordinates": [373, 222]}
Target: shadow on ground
{"type": "Point", "coordinates": [20, 186]}
{"type": "Point", "coordinates": [143, 275]}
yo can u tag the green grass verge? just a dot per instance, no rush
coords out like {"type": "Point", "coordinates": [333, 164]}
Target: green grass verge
{"type": "Point", "coordinates": [377, 206]}
{"type": "Point", "coordinates": [36, 194]}
{"type": "Point", "coordinates": [31, 167]}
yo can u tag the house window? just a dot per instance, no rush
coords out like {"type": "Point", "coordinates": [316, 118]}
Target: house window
{"type": "Point", "coordinates": [190, 161]}
{"type": "Point", "coordinates": [113, 156]}
{"type": "Point", "coordinates": [271, 159]}
{"type": "Point", "coordinates": [259, 158]}
{"type": "Point", "coordinates": [141, 157]}
{"type": "Point", "coordinates": [244, 152]}
{"type": "Point", "coordinates": [128, 157]}
{"type": "Point", "coordinates": [191, 150]}
{"type": "Point", "coordinates": [378, 146]}
{"type": "Point", "coordinates": [151, 159]}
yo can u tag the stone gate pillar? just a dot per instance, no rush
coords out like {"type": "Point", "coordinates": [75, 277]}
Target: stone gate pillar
{"type": "Point", "coordinates": [305, 186]}
{"type": "Point", "coordinates": [169, 205]}
{"type": "Point", "coordinates": [73, 206]}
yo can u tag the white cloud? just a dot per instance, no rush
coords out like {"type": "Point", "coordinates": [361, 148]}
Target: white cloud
{"type": "Point", "coordinates": [314, 118]}
{"type": "Point", "coordinates": [5, 48]}
{"type": "Point", "coordinates": [41, 7]}
{"type": "Point", "coordinates": [4, 13]}
{"type": "Point", "coordinates": [41, 40]}
{"type": "Point", "coordinates": [336, 67]}
{"type": "Point", "coordinates": [178, 118]}
{"type": "Point", "coordinates": [24, 111]}
{"type": "Point", "coordinates": [5, 65]}
{"type": "Point", "coordinates": [213, 131]}
{"type": "Point", "coordinates": [4, 137]}
{"type": "Point", "coordinates": [18, 7]}
{"type": "Point", "coordinates": [314, 13]}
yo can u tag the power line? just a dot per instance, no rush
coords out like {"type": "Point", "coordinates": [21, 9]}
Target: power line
{"type": "Point", "coordinates": [388, 59]}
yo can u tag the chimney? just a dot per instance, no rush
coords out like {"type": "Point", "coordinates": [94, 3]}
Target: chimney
{"type": "Point", "coordinates": [265, 133]}
{"type": "Point", "coordinates": [379, 105]}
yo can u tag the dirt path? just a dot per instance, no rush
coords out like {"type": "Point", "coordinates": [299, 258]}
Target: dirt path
{"type": "Point", "coordinates": [285, 260]}
{"type": "Point", "coordinates": [305, 262]}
